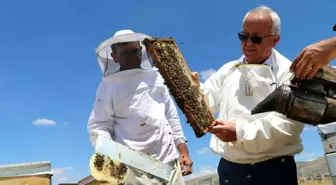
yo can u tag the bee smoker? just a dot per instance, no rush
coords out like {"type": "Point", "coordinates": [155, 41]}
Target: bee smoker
{"type": "Point", "coordinates": [309, 101]}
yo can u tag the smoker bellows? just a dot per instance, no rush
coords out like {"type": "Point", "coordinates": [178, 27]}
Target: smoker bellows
{"type": "Point", "coordinates": [176, 73]}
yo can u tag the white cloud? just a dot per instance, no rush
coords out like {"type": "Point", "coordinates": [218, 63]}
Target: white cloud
{"type": "Point", "coordinates": [44, 122]}
{"type": "Point", "coordinates": [207, 73]}
{"type": "Point", "coordinates": [203, 150]}
{"type": "Point", "coordinates": [63, 179]}
{"type": "Point", "coordinates": [204, 170]}
{"type": "Point", "coordinates": [62, 171]}
{"type": "Point", "coordinates": [62, 174]}
{"type": "Point", "coordinates": [307, 157]}
{"type": "Point", "coordinates": [310, 128]}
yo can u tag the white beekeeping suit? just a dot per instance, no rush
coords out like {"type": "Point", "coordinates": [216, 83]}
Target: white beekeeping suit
{"type": "Point", "coordinates": [133, 107]}
{"type": "Point", "coordinates": [233, 92]}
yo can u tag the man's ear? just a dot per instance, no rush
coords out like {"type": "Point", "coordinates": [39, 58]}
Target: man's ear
{"type": "Point", "coordinates": [276, 39]}
{"type": "Point", "coordinates": [115, 57]}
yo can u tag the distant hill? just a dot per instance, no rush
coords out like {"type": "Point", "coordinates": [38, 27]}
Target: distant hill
{"type": "Point", "coordinates": [310, 168]}
{"type": "Point", "coordinates": [205, 179]}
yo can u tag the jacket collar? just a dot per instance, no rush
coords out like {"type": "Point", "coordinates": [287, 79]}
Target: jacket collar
{"type": "Point", "coordinates": [269, 60]}
{"type": "Point", "coordinates": [279, 63]}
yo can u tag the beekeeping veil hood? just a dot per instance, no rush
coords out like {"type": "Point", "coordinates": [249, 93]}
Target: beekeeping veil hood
{"type": "Point", "coordinates": [103, 52]}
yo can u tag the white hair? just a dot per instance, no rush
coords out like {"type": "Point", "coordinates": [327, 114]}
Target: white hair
{"type": "Point", "coordinates": [275, 19]}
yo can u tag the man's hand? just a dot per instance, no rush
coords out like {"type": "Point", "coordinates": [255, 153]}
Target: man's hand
{"type": "Point", "coordinates": [224, 131]}
{"type": "Point", "coordinates": [194, 76]}
{"type": "Point", "coordinates": [185, 162]}
{"type": "Point", "coordinates": [314, 57]}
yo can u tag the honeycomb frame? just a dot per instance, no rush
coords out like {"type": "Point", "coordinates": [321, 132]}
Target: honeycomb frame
{"type": "Point", "coordinates": [176, 74]}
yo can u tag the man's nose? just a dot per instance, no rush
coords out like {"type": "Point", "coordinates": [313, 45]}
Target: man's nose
{"type": "Point", "coordinates": [249, 42]}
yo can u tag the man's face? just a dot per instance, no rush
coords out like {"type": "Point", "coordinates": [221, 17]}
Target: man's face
{"type": "Point", "coordinates": [128, 55]}
{"type": "Point", "coordinates": [257, 38]}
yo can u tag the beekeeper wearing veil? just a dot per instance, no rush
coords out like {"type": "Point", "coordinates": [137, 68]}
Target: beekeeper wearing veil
{"type": "Point", "coordinates": [254, 149]}
{"type": "Point", "coordinates": [133, 107]}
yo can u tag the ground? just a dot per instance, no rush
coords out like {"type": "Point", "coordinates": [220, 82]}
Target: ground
{"type": "Point", "coordinates": [317, 183]}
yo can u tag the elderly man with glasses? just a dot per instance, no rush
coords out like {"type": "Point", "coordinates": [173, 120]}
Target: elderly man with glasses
{"type": "Point", "coordinates": [255, 149]}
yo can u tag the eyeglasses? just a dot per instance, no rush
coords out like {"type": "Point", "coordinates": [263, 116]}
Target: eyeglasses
{"type": "Point", "coordinates": [254, 38]}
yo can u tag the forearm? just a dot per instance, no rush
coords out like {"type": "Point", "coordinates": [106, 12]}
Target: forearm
{"type": "Point", "coordinates": [332, 43]}
{"type": "Point", "coordinates": [182, 148]}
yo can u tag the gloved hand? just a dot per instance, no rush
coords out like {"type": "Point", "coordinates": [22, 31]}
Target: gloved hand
{"type": "Point", "coordinates": [94, 138]}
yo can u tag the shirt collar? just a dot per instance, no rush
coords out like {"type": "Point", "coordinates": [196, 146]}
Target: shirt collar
{"type": "Point", "coordinates": [267, 62]}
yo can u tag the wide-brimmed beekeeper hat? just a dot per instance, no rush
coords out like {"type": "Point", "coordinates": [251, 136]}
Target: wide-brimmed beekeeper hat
{"type": "Point", "coordinates": [103, 52]}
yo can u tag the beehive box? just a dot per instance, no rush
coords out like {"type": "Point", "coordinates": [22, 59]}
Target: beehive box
{"type": "Point", "coordinates": [37, 173]}
{"type": "Point", "coordinates": [26, 180]}
{"type": "Point", "coordinates": [176, 73]}
{"type": "Point", "coordinates": [89, 180]}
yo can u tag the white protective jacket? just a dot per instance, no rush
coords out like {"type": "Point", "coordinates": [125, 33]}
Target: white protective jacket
{"type": "Point", "coordinates": [134, 108]}
{"type": "Point", "coordinates": [233, 91]}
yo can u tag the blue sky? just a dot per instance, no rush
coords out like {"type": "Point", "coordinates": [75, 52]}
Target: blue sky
{"type": "Point", "coordinates": [48, 68]}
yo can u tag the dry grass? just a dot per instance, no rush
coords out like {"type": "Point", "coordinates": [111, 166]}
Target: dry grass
{"type": "Point", "coordinates": [316, 183]}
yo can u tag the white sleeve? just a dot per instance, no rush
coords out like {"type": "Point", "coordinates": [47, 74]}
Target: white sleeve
{"type": "Point", "coordinates": [101, 118]}
{"type": "Point", "coordinates": [211, 89]}
{"type": "Point", "coordinates": [265, 131]}
{"type": "Point", "coordinates": [258, 134]}
{"type": "Point", "coordinates": [174, 120]}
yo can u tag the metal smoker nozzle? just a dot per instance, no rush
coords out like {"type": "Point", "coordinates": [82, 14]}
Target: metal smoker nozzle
{"type": "Point", "coordinates": [268, 104]}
